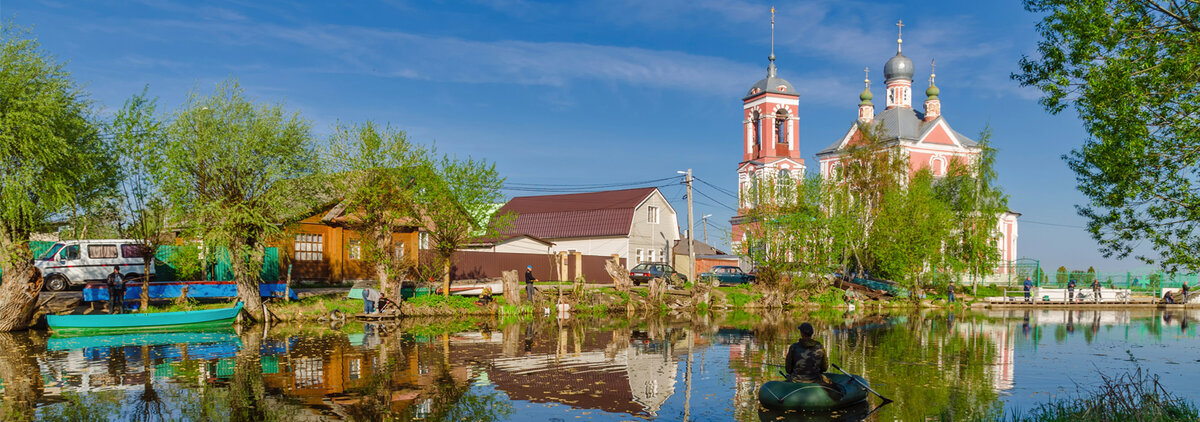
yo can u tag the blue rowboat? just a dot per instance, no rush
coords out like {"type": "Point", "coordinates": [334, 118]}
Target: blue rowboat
{"type": "Point", "coordinates": [143, 322]}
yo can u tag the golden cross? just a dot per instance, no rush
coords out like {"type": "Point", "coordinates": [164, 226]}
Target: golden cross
{"type": "Point", "coordinates": [867, 76]}
{"type": "Point", "coordinates": [900, 25]}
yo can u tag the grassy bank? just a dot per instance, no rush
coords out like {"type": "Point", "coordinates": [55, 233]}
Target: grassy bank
{"type": "Point", "coordinates": [1130, 397]}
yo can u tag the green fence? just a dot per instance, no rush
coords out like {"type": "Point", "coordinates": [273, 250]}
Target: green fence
{"type": "Point", "coordinates": [220, 270]}
{"type": "Point", "coordinates": [1144, 282]}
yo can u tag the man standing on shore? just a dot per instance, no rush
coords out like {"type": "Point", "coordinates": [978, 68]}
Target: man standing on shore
{"type": "Point", "coordinates": [529, 279]}
{"type": "Point", "coordinates": [116, 291]}
{"type": "Point", "coordinates": [1028, 288]}
{"type": "Point", "coordinates": [1096, 288]}
{"type": "Point", "coordinates": [1070, 290]}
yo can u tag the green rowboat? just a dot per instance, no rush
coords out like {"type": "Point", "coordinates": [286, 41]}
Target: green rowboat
{"type": "Point", "coordinates": [783, 395]}
{"type": "Point", "coordinates": [151, 322]}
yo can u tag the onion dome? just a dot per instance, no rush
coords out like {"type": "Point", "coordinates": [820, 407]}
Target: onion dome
{"type": "Point", "coordinates": [898, 67]}
{"type": "Point", "coordinates": [772, 83]}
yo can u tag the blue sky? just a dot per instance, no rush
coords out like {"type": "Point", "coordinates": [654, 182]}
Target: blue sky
{"type": "Point", "coordinates": [591, 92]}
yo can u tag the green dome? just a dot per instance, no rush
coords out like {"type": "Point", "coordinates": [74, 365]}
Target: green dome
{"type": "Point", "coordinates": [865, 97]}
{"type": "Point", "coordinates": [932, 92]}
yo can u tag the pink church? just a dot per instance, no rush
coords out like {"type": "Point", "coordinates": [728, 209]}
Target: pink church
{"type": "Point", "coordinates": [926, 137]}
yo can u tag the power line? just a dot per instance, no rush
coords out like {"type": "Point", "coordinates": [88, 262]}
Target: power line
{"type": "Point", "coordinates": [1051, 224]}
{"type": "Point", "coordinates": [589, 185]}
{"type": "Point", "coordinates": [713, 199]}
{"type": "Point", "coordinates": [718, 188]}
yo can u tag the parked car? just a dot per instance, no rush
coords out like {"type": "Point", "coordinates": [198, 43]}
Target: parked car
{"type": "Point", "coordinates": [647, 270]}
{"type": "Point", "coordinates": [728, 275]}
{"type": "Point", "coordinates": [75, 262]}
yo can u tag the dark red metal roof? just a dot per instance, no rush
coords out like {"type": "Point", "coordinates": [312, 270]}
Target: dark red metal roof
{"type": "Point", "coordinates": [607, 213]}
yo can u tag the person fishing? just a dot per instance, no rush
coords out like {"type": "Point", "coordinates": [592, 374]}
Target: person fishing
{"type": "Point", "coordinates": [1028, 288]}
{"type": "Point", "coordinates": [1070, 290]}
{"type": "Point", "coordinates": [529, 280]}
{"type": "Point", "coordinates": [116, 291]}
{"type": "Point", "coordinates": [1184, 291]}
{"type": "Point", "coordinates": [1096, 288]}
{"type": "Point", "coordinates": [806, 360]}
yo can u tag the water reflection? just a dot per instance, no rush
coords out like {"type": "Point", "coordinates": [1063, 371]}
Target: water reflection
{"type": "Point", "coordinates": [934, 365]}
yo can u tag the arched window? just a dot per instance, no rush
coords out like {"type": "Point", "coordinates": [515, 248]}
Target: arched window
{"type": "Point", "coordinates": [785, 174]}
{"type": "Point", "coordinates": [756, 120]}
{"type": "Point", "coordinates": [781, 119]}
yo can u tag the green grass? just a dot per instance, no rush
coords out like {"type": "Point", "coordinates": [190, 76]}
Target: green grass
{"type": "Point", "coordinates": [1129, 397]}
{"type": "Point", "coordinates": [191, 305]}
{"type": "Point", "coordinates": [738, 296]}
{"type": "Point", "coordinates": [438, 301]}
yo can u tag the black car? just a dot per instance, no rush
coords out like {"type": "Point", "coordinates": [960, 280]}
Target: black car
{"type": "Point", "coordinates": [645, 271]}
{"type": "Point", "coordinates": [728, 275]}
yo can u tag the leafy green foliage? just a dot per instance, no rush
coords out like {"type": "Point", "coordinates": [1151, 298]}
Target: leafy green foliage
{"type": "Point", "coordinates": [376, 169]}
{"type": "Point", "coordinates": [52, 160]}
{"type": "Point", "coordinates": [1129, 68]}
{"type": "Point", "coordinates": [232, 173]}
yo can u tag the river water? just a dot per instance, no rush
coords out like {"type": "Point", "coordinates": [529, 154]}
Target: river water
{"type": "Point", "coordinates": [935, 365]}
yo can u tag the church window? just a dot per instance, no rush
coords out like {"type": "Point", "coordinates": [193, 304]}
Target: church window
{"type": "Point", "coordinates": [781, 119]}
{"type": "Point", "coordinates": [785, 174]}
{"type": "Point", "coordinates": [756, 120]}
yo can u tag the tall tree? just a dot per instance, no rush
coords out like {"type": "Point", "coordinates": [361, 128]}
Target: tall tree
{"type": "Point", "coordinates": [1131, 68]}
{"type": "Point", "coordinates": [232, 171]}
{"type": "Point", "coordinates": [376, 169]}
{"type": "Point", "coordinates": [455, 199]}
{"type": "Point", "coordinates": [52, 154]}
{"type": "Point", "coordinates": [977, 202]}
{"type": "Point", "coordinates": [140, 140]}
{"type": "Point", "coordinates": [907, 239]}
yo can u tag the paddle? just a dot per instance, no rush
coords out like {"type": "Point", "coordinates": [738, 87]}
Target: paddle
{"type": "Point", "coordinates": [863, 384]}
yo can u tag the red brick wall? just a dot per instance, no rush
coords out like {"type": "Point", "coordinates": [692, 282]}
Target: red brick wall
{"type": "Point", "coordinates": [476, 265]}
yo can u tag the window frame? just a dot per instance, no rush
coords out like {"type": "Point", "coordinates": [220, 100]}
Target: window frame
{"type": "Point", "coordinates": [652, 214]}
{"type": "Point", "coordinates": [102, 247]}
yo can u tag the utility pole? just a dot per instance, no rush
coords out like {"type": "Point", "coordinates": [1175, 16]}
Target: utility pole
{"type": "Point", "coordinates": [691, 230]}
{"type": "Point", "coordinates": [704, 226]}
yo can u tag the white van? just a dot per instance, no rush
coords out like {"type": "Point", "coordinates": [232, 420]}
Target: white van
{"type": "Point", "coordinates": [74, 262]}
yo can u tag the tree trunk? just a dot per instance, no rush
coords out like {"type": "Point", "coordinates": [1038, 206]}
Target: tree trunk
{"type": "Point", "coordinates": [247, 281]}
{"type": "Point", "coordinates": [446, 277]}
{"type": "Point", "coordinates": [147, 261]}
{"type": "Point", "coordinates": [19, 286]}
{"type": "Point", "coordinates": [382, 239]}
{"type": "Point", "coordinates": [511, 287]}
{"type": "Point", "coordinates": [619, 274]}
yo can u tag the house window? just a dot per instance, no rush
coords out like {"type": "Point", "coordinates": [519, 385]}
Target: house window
{"type": "Point", "coordinates": [399, 251]}
{"type": "Point", "coordinates": [652, 215]}
{"type": "Point", "coordinates": [310, 247]}
{"type": "Point", "coordinates": [641, 257]}
{"type": "Point", "coordinates": [652, 251]}
{"type": "Point", "coordinates": [423, 239]}
{"type": "Point", "coordinates": [102, 251]}
{"type": "Point", "coordinates": [355, 250]}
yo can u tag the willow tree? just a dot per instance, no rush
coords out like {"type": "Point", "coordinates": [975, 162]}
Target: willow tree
{"type": "Point", "coordinates": [140, 140]}
{"type": "Point", "coordinates": [1131, 69]}
{"type": "Point", "coordinates": [976, 202]}
{"type": "Point", "coordinates": [376, 170]}
{"type": "Point", "coordinates": [455, 201]}
{"type": "Point", "coordinates": [231, 171]}
{"type": "Point", "coordinates": [51, 153]}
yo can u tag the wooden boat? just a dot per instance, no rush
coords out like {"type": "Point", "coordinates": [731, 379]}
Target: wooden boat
{"type": "Point", "coordinates": [783, 395]}
{"type": "Point", "coordinates": [143, 322]}
{"type": "Point", "coordinates": [474, 289]}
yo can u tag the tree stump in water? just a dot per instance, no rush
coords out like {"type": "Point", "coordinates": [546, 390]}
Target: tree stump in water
{"type": "Point", "coordinates": [511, 286]}
{"type": "Point", "coordinates": [19, 296]}
{"type": "Point", "coordinates": [619, 274]}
